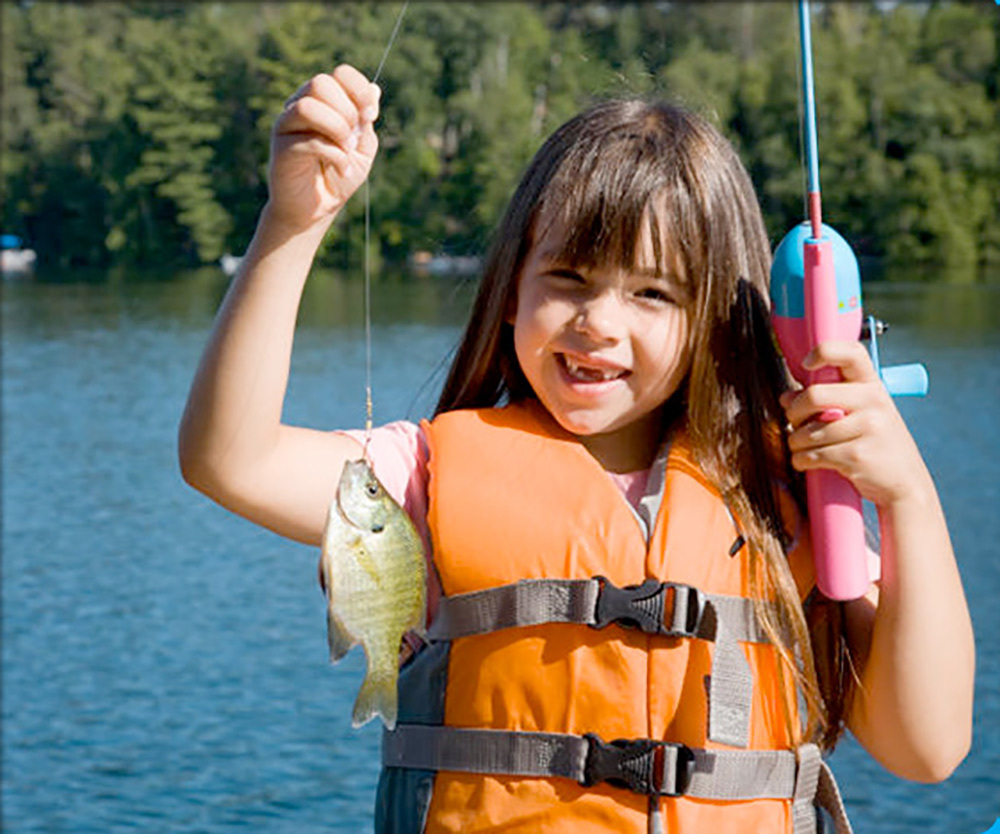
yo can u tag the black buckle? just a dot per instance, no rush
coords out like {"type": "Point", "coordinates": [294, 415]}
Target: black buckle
{"type": "Point", "coordinates": [642, 606]}
{"type": "Point", "coordinates": [638, 765]}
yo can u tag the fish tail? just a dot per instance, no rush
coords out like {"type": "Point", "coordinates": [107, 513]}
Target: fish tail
{"type": "Point", "coordinates": [378, 696]}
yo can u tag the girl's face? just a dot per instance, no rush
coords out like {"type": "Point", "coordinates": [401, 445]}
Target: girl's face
{"type": "Point", "coordinates": [603, 348]}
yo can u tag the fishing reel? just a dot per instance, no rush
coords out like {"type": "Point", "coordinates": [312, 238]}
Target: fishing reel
{"type": "Point", "coordinates": [789, 305]}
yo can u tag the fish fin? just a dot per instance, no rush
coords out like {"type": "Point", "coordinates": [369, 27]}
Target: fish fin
{"type": "Point", "coordinates": [364, 559]}
{"type": "Point", "coordinates": [378, 696]}
{"type": "Point", "coordinates": [338, 637]}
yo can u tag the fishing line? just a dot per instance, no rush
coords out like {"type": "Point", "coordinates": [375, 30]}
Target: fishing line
{"type": "Point", "coordinates": [367, 256]}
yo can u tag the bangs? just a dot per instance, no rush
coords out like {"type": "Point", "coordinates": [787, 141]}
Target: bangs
{"type": "Point", "coordinates": [617, 187]}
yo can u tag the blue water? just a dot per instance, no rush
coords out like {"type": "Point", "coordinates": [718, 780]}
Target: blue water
{"type": "Point", "coordinates": [164, 662]}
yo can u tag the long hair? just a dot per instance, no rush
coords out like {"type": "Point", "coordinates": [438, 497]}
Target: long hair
{"type": "Point", "coordinates": [602, 176]}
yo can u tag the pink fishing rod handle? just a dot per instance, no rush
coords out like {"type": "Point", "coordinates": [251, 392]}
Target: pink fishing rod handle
{"type": "Point", "coordinates": [835, 517]}
{"type": "Point", "coordinates": [838, 535]}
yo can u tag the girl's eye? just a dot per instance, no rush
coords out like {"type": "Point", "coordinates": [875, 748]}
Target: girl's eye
{"type": "Point", "coordinates": [566, 275]}
{"type": "Point", "coordinates": [655, 294]}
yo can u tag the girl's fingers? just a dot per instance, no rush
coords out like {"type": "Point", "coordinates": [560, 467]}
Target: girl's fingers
{"type": "Point", "coordinates": [310, 115]}
{"type": "Point", "coordinates": [367, 141]}
{"type": "Point", "coordinates": [851, 358]}
{"type": "Point", "coordinates": [840, 445]}
{"type": "Point", "coordinates": [329, 152]}
{"type": "Point", "coordinates": [869, 445]}
{"type": "Point", "coordinates": [328, 90]}
{"type": "Point", "coordinates": [828, 401]}
{"type": "Point", "coordinates": [835, 459]}
{"type": "Point", "coordinates": [345, 90]}
{"type": "Point", "coordinates": [363, 93]}
{"type": "Point", "coordinates": [816, 434]}
{"type": "Point", "coordinates": [859, 386]}
{"type": "Point", "coordinates": [340, 107]}
{"type": "Point", "coordinates": [312, 145]}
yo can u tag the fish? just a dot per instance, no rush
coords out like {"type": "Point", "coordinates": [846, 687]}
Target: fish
{"type": "Point", "coordinates": [374, 575]}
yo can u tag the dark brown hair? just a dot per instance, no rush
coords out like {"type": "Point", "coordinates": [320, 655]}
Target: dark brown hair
{"type": "Point", "coordinates": [601, 176]}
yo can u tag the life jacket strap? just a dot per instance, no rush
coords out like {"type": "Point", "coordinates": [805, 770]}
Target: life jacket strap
{"type": "Point", "coordinates": [670, 609]}
{"type": "Point", "coordinates": [640, 765]}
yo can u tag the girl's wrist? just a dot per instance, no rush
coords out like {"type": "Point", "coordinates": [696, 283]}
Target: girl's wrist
{"type": "Point", "coordinates": [915, 501]}
{"type": "Point", "coordinates": [279, 229]}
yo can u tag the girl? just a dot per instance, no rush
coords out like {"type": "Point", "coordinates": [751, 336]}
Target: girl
{"type": "Point", "coordinates": [659, 663]}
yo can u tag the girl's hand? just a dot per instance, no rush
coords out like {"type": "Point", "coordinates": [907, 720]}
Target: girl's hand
{"type": "Point", "coordinates": [870, 445]}
{"type": "Point", "coordinates": [322, 147]}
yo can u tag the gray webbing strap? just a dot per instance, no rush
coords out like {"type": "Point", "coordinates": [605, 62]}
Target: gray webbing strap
{"type": "Point", "coordinates": [720, 775]}
{"type": "Point", "coordinates": [735, 775]}
{"type": "Point", "coordinates": [814, 786]}
{"type": "Point", "coordinates": [725, 619]}
{"type": "Point", "coordinates": [828, 796]}
{"type": "Point", "coordinates": [537, 601]}
{"type": "Point", "coordinates": [525, 603]}
{"type": "Point", "coordinates": [731, 775]}
{"type": "Point", "coordinates": [730, 691]}
{"type": "Point", "coordinates": [803, 807]}
{"type": "Point", "coordinates": [497, 752]}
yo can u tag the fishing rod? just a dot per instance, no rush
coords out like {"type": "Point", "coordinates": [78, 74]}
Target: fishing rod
{"type": "Point", "coordinates": [816, 297]}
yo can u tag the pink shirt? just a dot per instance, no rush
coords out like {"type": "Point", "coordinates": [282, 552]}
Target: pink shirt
{"type": "Point", "coordinates": [398, 452]}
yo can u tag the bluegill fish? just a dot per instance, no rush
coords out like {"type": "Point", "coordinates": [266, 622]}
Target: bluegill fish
{"type": "Point", "coordinates": [375, 578]}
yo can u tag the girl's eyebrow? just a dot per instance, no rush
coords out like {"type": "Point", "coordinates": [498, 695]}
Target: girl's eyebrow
{"type": "Point", "coordinates": [653, 274]}
{"type": "Point", "coordinates": [670, 280]}
{"type": "Point", "coordinates": [552, 253]}
{"type": "Point", "coordinates": [557, 266]}
{"type": "Point", "coordinates": [555, 263]}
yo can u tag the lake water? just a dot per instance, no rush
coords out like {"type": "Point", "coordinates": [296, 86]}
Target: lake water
{"type": "Point", "coordinates": [165, 663]}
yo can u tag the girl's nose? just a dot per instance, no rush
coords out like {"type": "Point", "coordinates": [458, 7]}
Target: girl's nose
{"type": "Point", "coordinates": [600, 317]}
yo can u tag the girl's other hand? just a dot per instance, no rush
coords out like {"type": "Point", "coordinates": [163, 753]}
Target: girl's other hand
{"type": "Point", "coordinates": [870, 445]}
{"type": "Point", "coordinates": [322, 147]}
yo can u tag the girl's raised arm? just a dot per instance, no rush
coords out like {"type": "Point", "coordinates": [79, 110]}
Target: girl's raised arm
{"type": "Point", "coordinates": [232, 444]}
{"type": "Point", "coordinates": [913, 639]}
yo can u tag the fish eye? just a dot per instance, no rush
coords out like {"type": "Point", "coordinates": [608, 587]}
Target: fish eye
{"type": "Point", "coordinates": [372, 489]}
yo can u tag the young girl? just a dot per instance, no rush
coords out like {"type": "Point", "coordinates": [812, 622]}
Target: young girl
{"type": "Point", "coordinates": [625, 635]}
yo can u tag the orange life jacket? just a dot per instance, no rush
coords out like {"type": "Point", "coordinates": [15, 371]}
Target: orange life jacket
{"type": "Point", "coordinates": [513, 497]}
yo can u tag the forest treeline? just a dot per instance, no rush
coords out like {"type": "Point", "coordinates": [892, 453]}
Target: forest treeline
{"type": "Point", "coordinates": [138, 133]}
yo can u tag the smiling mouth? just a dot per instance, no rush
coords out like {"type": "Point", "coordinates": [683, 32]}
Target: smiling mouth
{"type": "Point", "coordinates": [589, 373]}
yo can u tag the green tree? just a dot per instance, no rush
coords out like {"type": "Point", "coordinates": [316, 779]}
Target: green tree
{"type": "Point", "coordinates": [139, 132]}
{"type": "Point", "coordinates": [64, 148]}
{"type": "Point", "coordinates": [176, 112]}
